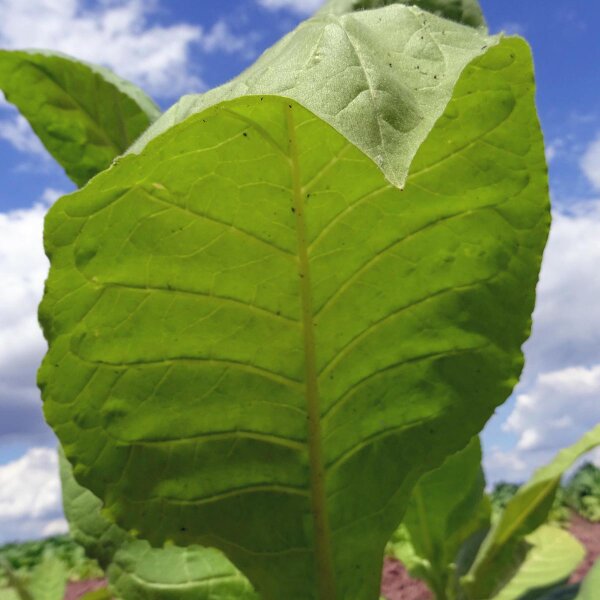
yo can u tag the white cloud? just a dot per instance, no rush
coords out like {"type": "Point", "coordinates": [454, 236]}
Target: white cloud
{"type": "Point", "coordinates": [30, 496]}
{"type": "Point", "coordinates": [116, 34]}
{"type": "Point", "coordinates": [554, 149]}
{"type": "Point", "coordinates": [19, 134]}
{"type": "Point", "coordinates": [303, 7]}
{"type": "Point", "coordinates": [220, 38]}
{"type": "Point", "coordinates": [23, 269]}
{"type": "Point", "coordinates": [590, 163]}
{"type": "Point", "coordinates": [566, 321]}
{"type": "Point", "coordinates": [557, 410]}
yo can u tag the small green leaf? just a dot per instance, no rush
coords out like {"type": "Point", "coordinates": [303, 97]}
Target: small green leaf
{"type": "Point", "coordinates": [84, 115]}
{"type": "Point", "coordinates": [554, 555]}
{"type": "Point", "coordinates": [591, 584]}
{"type": "Point", "coordinates": [49, 579]}
{"type": "Point", "coordinates": [446, 507]}
{"type": "Point", "coordinates": [524, 513]}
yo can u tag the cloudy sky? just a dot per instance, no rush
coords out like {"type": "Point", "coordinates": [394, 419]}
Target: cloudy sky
{"type": "Point", "coordinates": [176, 47]}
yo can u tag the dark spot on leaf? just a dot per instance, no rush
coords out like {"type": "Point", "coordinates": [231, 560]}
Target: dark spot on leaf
{"type": "Point", "coordinates": [183, 529]}
{"type": "Point", "coordinates": [245, 134]}
{"type": "Point", "coordinates": [293, 209]}
{"type": "Point", "coordinates": [289, 106]}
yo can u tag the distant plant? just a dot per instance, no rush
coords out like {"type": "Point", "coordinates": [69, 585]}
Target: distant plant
{"type": "Point", "coordinates": [582, 492]}
{"type": "Point", "coordinates": [449, 539]}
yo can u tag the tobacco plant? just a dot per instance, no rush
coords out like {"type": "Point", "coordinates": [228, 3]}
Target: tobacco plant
{"type": "Point", "coordinates": [295, 294]}
{"type": "Point", "coordinates": [449, 539]}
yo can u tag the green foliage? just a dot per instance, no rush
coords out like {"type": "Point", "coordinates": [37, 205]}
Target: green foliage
{"type": "Point", "coordinates": [524, 513]}
{"type": "Point", "coordinates": [447, 506]}
{"type": "Point", "coordinates": [467, 12]}
{"type": "Point", "coordinates": [84, 114]}
{"type": "Point", "coordinates": [582, 492]}
{"type": "Point", "coordinates": [591, 584]}
{"type": "Point", "coordinates": [462, 557]}
{"type": "Point", "coordinates": [47, 581]}
{"type": "Point", "coordinates": [501, 495]}
{"type": "Point", "coordinates": [553, 556]}
{"type": "Point", "coordinates": [233, 361]}
{"type": "Point", "coordinates": [135, 570]}
{"type": "Point", "coordinates": [26, 556]}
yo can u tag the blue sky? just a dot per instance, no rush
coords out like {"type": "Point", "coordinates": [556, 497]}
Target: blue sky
{"type": "Point", "coordinates": [175, 47]}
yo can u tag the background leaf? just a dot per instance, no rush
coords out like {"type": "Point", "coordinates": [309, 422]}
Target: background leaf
{"type": "Point", "coordinates": [467, 12]}
{"type": "Point", "coordinates": [446, 507]}
{"type": "Point", "coordinates": [236, 363]}
{"type": "Point", "coordinates": [380, 77]}
{"type": "Point", "coordinates": [554, 555]}
{"type": "Point", "coordinates": [49, 579]}
{"type": "Point", "coordinates": [591, 584]}
{"type": "Point", "coordinates": [524, 513]}
{"type": "Point", "coordinates": [84, 114]}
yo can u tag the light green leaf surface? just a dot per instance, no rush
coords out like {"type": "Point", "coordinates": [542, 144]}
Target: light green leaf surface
{"type": "Point", "coordinates": [446, 507]}
{"type": "Point", "coordinates": [258, 344]}
{"type": "Point", "coordinates": [591, 584]}
{"type": "Point", "coordinates": [135, 570]}
{"type": "Point", "coordinates": [49, 579]}
{"type": "Point", "coordinates": [467, 12]}
{"type": "Point", "coordinates": [381, 78]}
{"type": "Point", "coordinates": [84, 114]}
{"type": "Point", "coordinates": [525, 512]}
{"type": "Point", "coordinates": [554, 555]}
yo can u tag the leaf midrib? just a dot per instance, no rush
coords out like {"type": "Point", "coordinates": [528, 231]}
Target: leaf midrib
{"type": "Point", "coordinates": [322, 533]}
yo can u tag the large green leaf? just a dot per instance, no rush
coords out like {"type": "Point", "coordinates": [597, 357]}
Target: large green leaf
{"type": "Point", "coordinates": [136, 570]}
{"type": "Point", "coordinates": [524, 513]}
{"type": "Point", "coordinates": [554, 555]}
{"type": "Point", "coordinates": [258, 344]}
{"type": "Point", "coordinates": [84, 114]}
{"type": "Point", "coordinates": [380, 77]}
{"type": "Point", "coordinates": [467, 12]}
{"type": "Point", "coordinates": [447, 506]}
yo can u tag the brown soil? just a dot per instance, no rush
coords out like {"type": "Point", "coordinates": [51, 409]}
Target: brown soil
{"type": "Point", "coordinates": [589, 535]}
{"type": "Point", "coordinates": [76, 589]}
{"type": "Point", "coordinates": [397, 585]}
